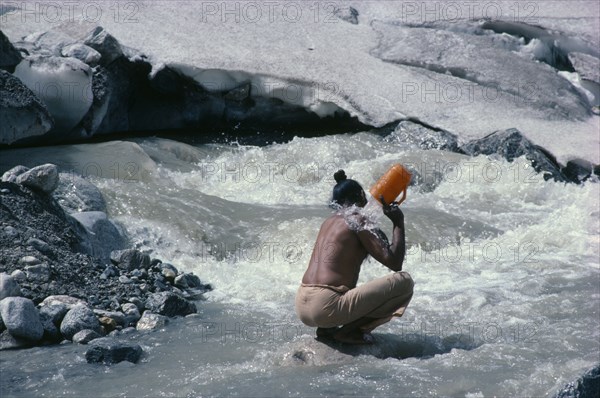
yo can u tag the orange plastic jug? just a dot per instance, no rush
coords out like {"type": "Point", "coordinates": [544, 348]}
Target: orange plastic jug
{"type": "Point", "coordinates": [390, 185]}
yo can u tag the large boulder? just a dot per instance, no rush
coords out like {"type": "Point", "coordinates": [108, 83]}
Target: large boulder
{"type": "Point", "coordinates": [588, 385]}
{"type": "Point", "coordinates": [130, 259]}
{"type": "Point", "coordinates": [76, 194]}
{"type": "Point", "coordinates": [22, 114]}
{"type": "Point", "coordinates": [105, 44]}
{"type": "Point", "coordinates": [8, 286]}
{"type": "Point", "coordinates": [12, 174]}
{"type": "Point", "coordinates": [9, 56]}
{"type": "Point", "coordinates": [151, 321]}
{"type": "Point", "coordinates": [21, 318]}
{"type": "Point", "coordinates": [79, 318]}
{"type": "Point", "coordinates": [511, 144]}
{"type": "Point", "coordinates": [41, 178]}
{"type": "Point", "coordinates": [99, 235]}
{"type": "Point", "coordinates": [108, 350]}
{"type": "Point", "coordinates": [416, 135]}
{"type": "Point", "coordinates": [169, 304]}
{"type": "Point", "coordinates": [62, 299]}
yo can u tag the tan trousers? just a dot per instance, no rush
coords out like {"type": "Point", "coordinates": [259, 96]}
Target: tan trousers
{"type": "Point", "coordinates": [328, 306]}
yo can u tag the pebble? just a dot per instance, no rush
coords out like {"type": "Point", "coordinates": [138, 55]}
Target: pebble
{"type": "Point", "coordinates": [29, 260]}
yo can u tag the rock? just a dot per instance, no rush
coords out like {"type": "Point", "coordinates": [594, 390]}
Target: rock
{"type": "Point", "coordinates": [10, 231]}
{"type": "Point", "coordinates": [76, 194]}
{"type": "Point", "coordinates": [346, 13]}
{"type": "Point", "coordinates": [578, 170]}
{"type": "Point", "coordinates": [138, 303]}
{"type": "Point", "coordinates": [39, 245]}
{"type": "Point", "coordinates": [23, 114]}
{"type": "Point", "coordinates": [587, 385]}
{"type": "Point", "coordinates": [586, 65]}
{"type": "Point", "coordinates": [239, 94]}
{"type": "Point", "coordinates": [81, 52]}
{"type": "Point", "coordinates": [130, 259]}
{"type": "Point", "coordinates": [132, 314]}
{"type": "Point", "coordinates": [105, 44]}
{"type": "Point", "coordinates": [21, 318]}
{"type": "Point", "coordinates": [29, 260]}
{"type": "Point", "coordinates": [511, 144]}
{"type": "Point", "coordinates": [117, 316]}
{"type": "Point", "coordinates": [59, 299]}
{"type": "Point", "coordinates": [85, 336]}
{"type": "Point", "coordinates": [418, 136]}
{"type": "Point", "coordinates": [12, 174]}
{"type": "Point", "coordinates": [9, 342]}
{"type": "Point", "coordinates": [42, 178]}
{"type": "Point", "coordinates": [51, 332]}
{"type": "Point", "coordinates": [187, 281]}
{"type": "Point", "coordinates": [109, 272]}
{"type": "Point", "coordinates": [124, 280]}
{"type": "Point", "coordinates": [91, 121]}
{"type": "Point", "coordinates": [48, 43]}
{"type": "Point", "coordinates": [108, 324]}
{"type": "Point", "coordinates": [19, 276]}
{"type": "Point", "coordinates": [108, 350]}
{"type": "Point", "coordinates": [54, 312]}
{"type": "Point", "coordinates": [151, 321]}
{"type": "Point", "coordinates": [8, 286]}
{"type": "Point", "coordinates": [99, 235]}
{"type": "Point", "coordinates": [39, 273]}
{"type": "Point", "coordinates": [9, 56]}
{"type": "Point", "coordinates": [169, 304]}
{"type": "Point", "coordinates": [78, 318]}
{"type": "Point", "coordinates": [67, 103]}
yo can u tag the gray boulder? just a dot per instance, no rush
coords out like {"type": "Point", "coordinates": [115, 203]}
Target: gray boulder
{"type": "Point", "coordinates": [21, 318]}
{"type": "Point", "coordinates": [54, 312]}
{"type": "Point", "coordinates": [105, 44]}
{"type": "Point", "coordinates": [132, 314]}
{"type": "Point", "coordinates": [79, 318]}
{"type": "Point", "coordinates": [85, 336]}
{"type": "Point", "coordinates": [51, 331]}
{"type": "Point", "coordinates": [62, 299]}
{"type": "Point", "coordinates": [169, 304]}
{"type": "Point", "coordinates": [76, 194]}
{"type": "Point", "coordinates": [29, 260]}
{"type": "Point", "coordinates": [9, 56]}
{"type": "Point", "coordinates": [8, 286]}
{"type": "Point", "coordinates": [39, 273]}
{"type": "Point", "coordinates": [41, 178]}
{"type": "Point", "coordinates": [108, 350]}
{"type": "Point", "coordinates": [18, 276]}
{"type": "Point", "coordinates": [187, 281]}
{"type": "Point", "coordinates": [151, 321]}
{"type": "Point", "coordinates": [99, 235]}
{"type": "Point", "coordinates": [39, 245]}
{"type": "Point", "coordinates": [22, 114]}
{"type": "Point", "coordinates": [9, 342]}
{"type": "Point", "coordinates": [418, 136]}
{"type": "Point", "coordinates": [12, 174]}
{"type": "Point", "coordinates": [130, 259]}
{"type": "Point", "coordinates": [511, 144]}
{"type": "Point", "coordinates": [585, 386]}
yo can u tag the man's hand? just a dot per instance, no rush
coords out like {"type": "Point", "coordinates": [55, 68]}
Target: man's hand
{"type": "Point", "coordinates": [392, 211]}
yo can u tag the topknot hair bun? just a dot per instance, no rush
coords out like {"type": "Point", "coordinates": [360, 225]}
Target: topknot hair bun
{"type": "Point", "coordinates": [340, 176]}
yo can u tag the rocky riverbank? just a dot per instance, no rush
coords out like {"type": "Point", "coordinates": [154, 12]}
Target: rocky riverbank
{"type": "Point", "coordinates": [66, 272]}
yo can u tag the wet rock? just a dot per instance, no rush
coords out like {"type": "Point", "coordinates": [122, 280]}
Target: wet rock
{"type": "Point", "coordinates": [59, 299]}
{"type": "Point", "coordinates": [586, 386]}
{"type": "Point", "coordinates": [12, 174]}
{"type": "Point", "coordinates": [39, 273]}
{"type": "Point", "coordinates": [23, 114]}
{"type": "Point", "coordinates": [8, 286]}
{"type": "Point", "coordinates": [187, 281]}
{"type": "Point", "coordinates": [9, 56]}
{"type": "Point", "coordinates": [100, 236]}
{"type": "Point", "coordinates": [105, 44]}
{"type": "Point", "coordinates": [108, 350]}
{"type": "Point", "coordinates": [39, 245]}
{"type": "Point", "coordinates": [169, 304]}
{"type": "Point", "coordinates": [81, 52]}
{"type": "Point", "coordinates": [78, 318]}
{"type": "Point", "coordinates": [151, 321]}
{"type": "Point", "coordinates": [346, 13]}
{"type": "Point", "coordinates": [416, 135]}
{"type": "Point", "coordinates": [42, 178]}
{"type": "Point", "coordinates": [9, 342]}
{"type": "Point", "coordinates": [511, 144]}
{"type": "Point", "coordinates": [578, 170]}
{"type": "Point", "coordinates": [76, 194]}
{"type": "Point", "coordinates": [85, 336]}
{"type": "Point", "coordinates": [21, 318]}
{"type": "Point", "coordinates": [130, 259]}
{"type": "Point", "coordinates": [51, 331]}
{"type": "Point", "coordinates": [168, 271]}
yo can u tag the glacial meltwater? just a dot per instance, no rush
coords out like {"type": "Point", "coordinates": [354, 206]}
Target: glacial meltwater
{"type": "Point", "coordinates": [505, 265]}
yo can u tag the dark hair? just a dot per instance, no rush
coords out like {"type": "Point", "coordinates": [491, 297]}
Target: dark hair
{"type": "Point", "coordinates": [346, 192]}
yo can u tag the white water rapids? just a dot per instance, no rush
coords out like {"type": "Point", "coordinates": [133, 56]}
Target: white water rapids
{"type": "Point", "coordinates": [505, 265]}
